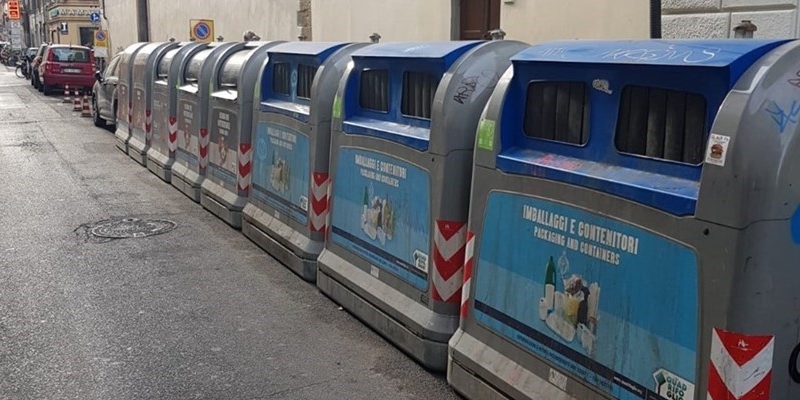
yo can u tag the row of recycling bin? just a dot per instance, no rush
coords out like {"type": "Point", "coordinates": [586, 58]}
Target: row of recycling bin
{"type": "Point", "coordinates": [471, 200]}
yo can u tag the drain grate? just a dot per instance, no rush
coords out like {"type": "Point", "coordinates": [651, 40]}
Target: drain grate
{"type": "Point", "coordinates": [133, 228]}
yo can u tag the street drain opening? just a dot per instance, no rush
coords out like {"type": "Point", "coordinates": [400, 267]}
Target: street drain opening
{"type": "Point", "coordinates": [126, 228]}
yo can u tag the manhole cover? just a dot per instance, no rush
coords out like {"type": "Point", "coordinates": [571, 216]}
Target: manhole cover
{"type": "Point", "coordinates": [133, 228]}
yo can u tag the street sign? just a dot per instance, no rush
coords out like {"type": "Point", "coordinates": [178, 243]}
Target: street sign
{"type": "Point", "coordinates": [64, 28]}
{"type": "Point", "coordinates": [16, 24]}
{"type": "Point", "coordinates": [94, 17]}
{"type": "Point", "coordinates": [100, 38]}
{"type": "Point", "coordinates": [13, 10]}
{"type": "Point", "coordinates": [201, 30]}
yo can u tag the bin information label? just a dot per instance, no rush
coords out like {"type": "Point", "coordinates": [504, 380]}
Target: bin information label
{"type": "Point", "coordinates": [187, 140]}
{"type": "Point", "coordinates": [280, 170]}
{"type": "Point", "coordinates": [612, 304]}
{"type": "Point", "coordinates": [224, 149]}
{"type": "Point", "coordinates": [381, 212]}
{"type": "Point", "coordinates": [160, 120]}
{"type": "Point", "coordinates": [137, 107]}
{"type": "Point", "coordinates": [122, 105]}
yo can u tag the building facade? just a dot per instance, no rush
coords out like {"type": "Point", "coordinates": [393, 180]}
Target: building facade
{"type": "Point", "coordinates": [59, 21]}
{"type": "Point", "coordinates": [525, 20]}
{"type": "Point", "coordinates": [68, 22]}
{"type": "Point", "coordinates": [717, 18]}
{"type": "Point", "coordinates": [531, 21]}
{"type": "Point", "coordinates": [270, 19]}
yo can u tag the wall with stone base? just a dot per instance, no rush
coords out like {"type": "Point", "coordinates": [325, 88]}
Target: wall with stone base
{"type": "Point", "coordinates": [717, 18]}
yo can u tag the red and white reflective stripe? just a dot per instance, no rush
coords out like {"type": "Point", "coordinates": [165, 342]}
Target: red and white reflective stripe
{"type": "Point", "coordinates": [320, 190]}
{"type": "Point", "coordinates": [468, 265]}
{"type": "Point", "coordinates": [204, 141]}
{"type": "Point", "coordinates": [172, 139]}
{"type": "Point", "coordinates": [741, 366]}
{"type": "Point", "coordinates": [449, 247]}
{"type": "Point", "coordinates": [330, 208]}
{"type": "Point", "coordinates": [245, 167]}
{"type": "Point", "coordinates": [148, 124]}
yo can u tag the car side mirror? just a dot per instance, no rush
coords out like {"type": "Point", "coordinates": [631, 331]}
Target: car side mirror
{"type": "Point", "coordinates": [98, 76]}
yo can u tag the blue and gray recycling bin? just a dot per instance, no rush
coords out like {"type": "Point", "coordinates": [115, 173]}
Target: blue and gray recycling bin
{"type": "Point", "coordinates": [287, 208]}
{"type": "Point", "coordinates": [194, 93]}
{"type": "Point", "coordinates": [634, 209]}
{"type": "Point", "coordinates": [124, 93]}
{"type": "Point", "coordinates": [225, 189]}
{"type": "Point", "coordinates": [145, 72]}
{"type": "Point", "coordinates": [404, 123]}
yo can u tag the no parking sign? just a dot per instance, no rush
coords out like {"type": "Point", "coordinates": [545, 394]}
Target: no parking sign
{"type": "Point", "coordinates": [201, 30]}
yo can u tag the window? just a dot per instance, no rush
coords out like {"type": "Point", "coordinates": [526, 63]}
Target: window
{"type": "Point", "coordinates": [661, 123]}
{"type": "Point", "coordinates": [374, 91]}
{"type": "Point", "coordinates": [113, 68]}
{"type": "Point", "coordinates": [305, 79]}
{"type": "Point", "coordinates": [70, 55]}
{"type": "Point", "coordinates": [281, 78]}
{"type": "Point", "coordinates": [557, 111]}
{"type": "Point", "coordinates": [418, 91]}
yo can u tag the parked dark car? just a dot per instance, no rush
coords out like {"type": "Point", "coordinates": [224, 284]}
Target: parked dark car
{"type": "Point", "coordinates": [104, 94]}
{"type": "Point", "coordinates": [67, 65]}
{"type": "Point", "coordinates": [37, 59]}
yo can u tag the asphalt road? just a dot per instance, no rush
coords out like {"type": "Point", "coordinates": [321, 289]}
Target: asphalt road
{"type": "Point", "coordinates": [196, 313]}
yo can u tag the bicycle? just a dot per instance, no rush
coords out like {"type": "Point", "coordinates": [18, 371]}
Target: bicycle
{"type": "Point", "coordinates": [22, 70]}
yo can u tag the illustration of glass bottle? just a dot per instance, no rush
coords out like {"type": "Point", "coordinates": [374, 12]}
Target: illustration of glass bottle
{"type": "Point", "coordinates": [550, 283]}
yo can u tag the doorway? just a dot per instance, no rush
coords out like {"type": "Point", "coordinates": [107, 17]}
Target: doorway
{"type": "Point", "coordinates": [477, 18]}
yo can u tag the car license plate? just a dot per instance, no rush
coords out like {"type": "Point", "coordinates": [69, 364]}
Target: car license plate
{"type": "Point", "coordinates": [72, 71]}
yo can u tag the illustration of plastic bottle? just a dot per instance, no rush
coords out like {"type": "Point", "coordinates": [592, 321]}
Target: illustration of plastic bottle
{"type": "Point", "coordinates": [563, 265]}
{"type": "Point", "coordinates": [549, 283]}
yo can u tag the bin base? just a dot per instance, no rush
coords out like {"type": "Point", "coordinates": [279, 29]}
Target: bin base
{"type": "Point", "coordinates": [254, 226]}
{"type": "Point", "coordinates": [379, 306]}
{"type": "Point", "coordinates": [467, 374]}
{"type": "Point", "coordinates": [122, 140]}
{"type": "Point", "coordinates": [137, 150]}
{"type": "Point", "coordinates": [160, 165]}
{"type": "Point", "coordinates": [187, 181]}
{"type": "Point", "coordinates": [223, 203]}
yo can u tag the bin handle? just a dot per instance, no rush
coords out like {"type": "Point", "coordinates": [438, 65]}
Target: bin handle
{"type": "Point", "coordinates": [793, 370]}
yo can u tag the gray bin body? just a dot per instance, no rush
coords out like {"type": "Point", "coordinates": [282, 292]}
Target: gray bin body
{"type": "Point", "coordinates": [164, 141]}
{"type": "Point", "coordinates": [668, 271]}
{"type": "Point", "coordinates": [402, 143]}
{"type": "Point", "coordinates": [284, 222]}
{"type": "Point", "coordinates": [224, 191]}
{"type": "Point", "coordinates": [124, 93]}
{"type": "Point", "coordinates": [145, 68]}
{"type": "Point", "coordinates": [191, 157]}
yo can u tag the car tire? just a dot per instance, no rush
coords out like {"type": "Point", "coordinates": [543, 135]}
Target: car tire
{"type": "Point", "coordinates": [96, 118]}
{"type": "Point", "coordinates": [47, 90]}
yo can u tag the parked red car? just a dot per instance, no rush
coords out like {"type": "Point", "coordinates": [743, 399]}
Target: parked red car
{"type": "Point", "coordinates": [65, 64]}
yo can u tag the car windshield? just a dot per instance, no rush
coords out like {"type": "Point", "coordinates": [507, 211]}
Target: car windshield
{"type": "Point", "coordinates": [70, 55]}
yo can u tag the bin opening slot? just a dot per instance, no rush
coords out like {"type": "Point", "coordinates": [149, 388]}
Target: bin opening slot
{"type": "Point", "coordinates": [192, 73]}
{"type": "Point", "coordinates": [163, 67]}
{"type": "Point", "coordinates": [419, 89]}
{"type": "Point", "coordinates": [557, 111]}
{"type": "Point", "coordinates": [232, 69]}
{"type": "Point", "coordinates": [281, 78]}
{"type": "Point", "coordinates": [374, 90]}
{"type": "Point", "coordinates": [661, 123]}
{"type": "Point", "coordinates": [305, 79]}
